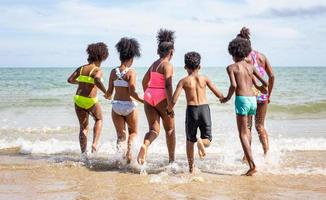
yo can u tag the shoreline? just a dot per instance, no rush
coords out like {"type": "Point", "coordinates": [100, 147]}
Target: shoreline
{"type": "Point", "coordinates": [31, 178]}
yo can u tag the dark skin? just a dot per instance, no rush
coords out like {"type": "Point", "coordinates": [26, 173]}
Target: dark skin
{"type": "Point", "coordinates": [89, 90]}
{"type": "Point", "coordinates": [154, 114]}
{"type": "Point", "coordinates": [195, 86]}
{"type": "Point", "coordinates": [242, 75]}
{"type": "Point", "coordinates": [125, 94]}
{"type": "Point", "coordinates": [262, 106]}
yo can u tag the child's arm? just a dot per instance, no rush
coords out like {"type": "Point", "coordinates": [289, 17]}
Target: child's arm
{"type": "Point", "coordinates": [132, 87]}
{"type": "Point", "coordinates": [175, 95]}
{"type": "Point", "coordinates": [233, 85]}
{"type": "Point", "coordinates": [98, 80]}
{"type": "Point", "coordinates": [214, 89]}
{"type": "Point", "coordinates": [265, 84]}
{"type": "Point", "coordinates": [73, 77]}
{"type": "Point", "coordinates": [271, 77]}
{"type": "Point", "coordinates": [146, 79]}
{"type": "Point", "coordinates": [168, 73]}
{"type": "Point", "coordinates": [109, 92]}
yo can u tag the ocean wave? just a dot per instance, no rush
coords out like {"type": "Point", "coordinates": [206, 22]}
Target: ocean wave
{"type": "Point", "coordinates": [55, 146]}
{"type": "Point", "coordinates": [221, 159]}
{"type": "Point", "coordinates": [305, 108]}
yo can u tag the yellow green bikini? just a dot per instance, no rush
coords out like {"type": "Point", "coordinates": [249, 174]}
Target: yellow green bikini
{"type": "Point", "coordinates": [81, 101]}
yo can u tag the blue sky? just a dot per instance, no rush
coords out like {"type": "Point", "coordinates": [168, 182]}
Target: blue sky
{"type": "Point", "coordinates": [44, 33]}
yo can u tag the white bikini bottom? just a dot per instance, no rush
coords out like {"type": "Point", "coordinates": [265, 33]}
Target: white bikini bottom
{"type": "Point", "coordinates": [123, 108]}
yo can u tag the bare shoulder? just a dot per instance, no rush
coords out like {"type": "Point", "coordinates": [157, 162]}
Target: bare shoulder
{"type": "Point", "coordinates": [184, 79]}
{"type": "Point", "coordinates": [230, 67]}
{"type": "Point", "coordinates": [166, 65]}
{"type": "Point", "coordinates": [261, 57]}
{"type": "Point", "coordinates": [204, 78]}
{"type": "Point", "coordinates": [112, 72]}
{"type": "Point", "coordinates": [131, 73]}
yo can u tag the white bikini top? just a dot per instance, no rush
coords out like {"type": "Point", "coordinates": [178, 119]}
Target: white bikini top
{"type": "Point", "coordinates": [120, 82]}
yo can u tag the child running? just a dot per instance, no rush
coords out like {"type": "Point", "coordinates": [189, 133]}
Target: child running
{"type": "Point", "coordinates": [198, 112]}
{"type": "Point", "coordinates": [123, 81]}
{"type": "Point", "coordinates": [89, 79]}
{"type": "Point", "coordinates": [242, 79]}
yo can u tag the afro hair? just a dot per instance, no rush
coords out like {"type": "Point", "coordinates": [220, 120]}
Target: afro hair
{"type": "Point", "coordinates": [239, 48]}
{"type": "Point", "coordinates": [97, 52]}
{"type": "Point", "coordinates": [128, 48]}
{"type": "Point", "coordinates": [192, 60]}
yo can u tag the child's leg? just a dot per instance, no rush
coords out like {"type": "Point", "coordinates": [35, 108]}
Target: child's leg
{"type": "Point", "coordinates": [97, 115]}
{"type": "Point", "coordinates": [244, 133]}
{"type": "Point", "coordinates": [132, 121]}
{"type": "Point", "coordinates": [153, 119]}
{"type": "Point", "coordinates": [201, 148]}
{"type": "Point", "coordinates": [83, 124]}
{"type": "Point", "coordinates": [120, 127]}
{"type": "Point", "coordinates": [190, 156]}
{"type": "Point", "coordinates": [250, 134]}
{"type": "Point", "coordinates": [206, 142]}
{"type": "Point", "coordinates": [168, 124]}
{"type": "Point", "coordinates": [260, 125]}
{"type": "Point", "coordinates": [205, 126]}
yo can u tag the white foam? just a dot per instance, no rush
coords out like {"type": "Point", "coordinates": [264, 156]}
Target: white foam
{"type": "Point", "coordinates": [225, 159]}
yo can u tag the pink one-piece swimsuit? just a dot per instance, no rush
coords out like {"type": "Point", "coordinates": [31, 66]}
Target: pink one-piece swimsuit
{"type": "Point", "coordinates": [155, 93]}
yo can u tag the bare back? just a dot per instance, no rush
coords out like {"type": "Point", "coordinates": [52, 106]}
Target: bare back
{"type": "Point", "coordinates": [122, 93]}
{"type": "Point", "coordinates": [86, 89]}
{"type": "Point", "coordinates": [243, 74]}
{"type": "Point", "coordinates": [195, 89]}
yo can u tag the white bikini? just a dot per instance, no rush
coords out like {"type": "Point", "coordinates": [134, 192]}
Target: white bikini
{"type": "Point", "coordinates": [123, 108]}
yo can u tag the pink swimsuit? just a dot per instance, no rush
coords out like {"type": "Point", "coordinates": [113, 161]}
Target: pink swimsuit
{"type": "Point", "coordinates": [254, 57]}
{"type": "Point", "coordinates": [155, 93]}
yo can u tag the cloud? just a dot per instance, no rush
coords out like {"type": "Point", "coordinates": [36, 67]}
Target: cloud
{"type": "Point", "coordinates": [205, 25]}
{"type": "Point", "coordinates": [301, 12]}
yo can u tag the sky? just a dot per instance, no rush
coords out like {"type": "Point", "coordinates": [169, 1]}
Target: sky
{"type": "Point", "coordinates": [47, 33]}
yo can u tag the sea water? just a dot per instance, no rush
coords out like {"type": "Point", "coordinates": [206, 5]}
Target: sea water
{"type": "Point", "coordinates": [37, 117]}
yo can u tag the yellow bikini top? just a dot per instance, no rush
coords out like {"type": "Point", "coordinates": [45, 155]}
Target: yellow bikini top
{"type": "Point", "coordinates": [86, 79]}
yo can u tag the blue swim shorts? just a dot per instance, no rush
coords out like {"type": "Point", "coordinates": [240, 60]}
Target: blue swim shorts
{"type": "Point", "coordinates": [245, 105]}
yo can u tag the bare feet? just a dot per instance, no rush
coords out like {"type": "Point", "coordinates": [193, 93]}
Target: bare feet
{"type": "Point", "coordinates": [142, 154]}
{"type": "Point", "coordinates": [201, 148]}
{"type": "Point", "coordinates": [250, 172]}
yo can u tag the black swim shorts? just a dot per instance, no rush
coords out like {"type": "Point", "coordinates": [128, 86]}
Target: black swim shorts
{"type": "Point", "coordinates": [198, 116]}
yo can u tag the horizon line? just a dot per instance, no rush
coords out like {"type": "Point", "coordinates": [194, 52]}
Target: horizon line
{"type": "Point", "coordinates": [277, 66]}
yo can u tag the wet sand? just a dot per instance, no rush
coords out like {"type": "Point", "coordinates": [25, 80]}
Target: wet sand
{"type": "Point", "coordinates": [27, 177]}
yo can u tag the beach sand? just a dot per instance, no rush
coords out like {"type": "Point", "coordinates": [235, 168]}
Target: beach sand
{"type": "Point", "coordinates": [32, 177]}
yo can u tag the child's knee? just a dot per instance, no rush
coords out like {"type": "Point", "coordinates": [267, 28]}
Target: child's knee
{"type": "Point", "coordinates": [84, 129]}
{"type": "Point", "coordinates": [170, 132]}
{"type": "Point", "coordinates": [206, 142]}
{"type": "Point", "coordinates": [259, 128]}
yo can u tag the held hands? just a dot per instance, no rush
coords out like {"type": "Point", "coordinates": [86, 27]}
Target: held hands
{"type": "Point", "coordinates": [107, 96]}
{"type": "Point", "coordinates": [224, 99]}
{"type": "Point", "coordinates": [263, 89]}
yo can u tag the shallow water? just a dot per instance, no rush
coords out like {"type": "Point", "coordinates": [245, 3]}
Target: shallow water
{"type": "Point", "coordinates": [31, 177]}
{"type": "Point", "coordinates": [37, 118]}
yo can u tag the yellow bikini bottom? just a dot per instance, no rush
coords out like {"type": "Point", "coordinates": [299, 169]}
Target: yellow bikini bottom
{"type": "Point", "coordinates": [85, 102]}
